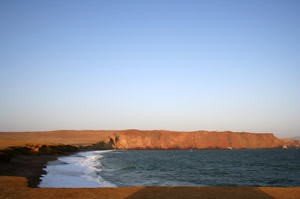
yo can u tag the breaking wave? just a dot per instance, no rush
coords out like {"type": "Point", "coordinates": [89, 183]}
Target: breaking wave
{"type": "Point", "coordinates": [79, 170]}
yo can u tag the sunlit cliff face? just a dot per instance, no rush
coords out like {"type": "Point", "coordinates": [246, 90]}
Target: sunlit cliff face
{"type": "Point", "coordinates": [133, 139]}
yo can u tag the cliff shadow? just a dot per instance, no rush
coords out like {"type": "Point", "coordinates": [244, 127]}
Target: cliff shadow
{"type": "Point", "coordinates": [199, 192]}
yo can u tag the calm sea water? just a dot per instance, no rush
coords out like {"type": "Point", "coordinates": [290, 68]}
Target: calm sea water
{"type": "Point", "coordinates": [268, 167]}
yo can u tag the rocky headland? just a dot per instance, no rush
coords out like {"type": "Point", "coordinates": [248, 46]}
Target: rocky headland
{"type": "Point", "coordinates": [65, 141]}
{"type": "Point", "coordinates": [45, 142]}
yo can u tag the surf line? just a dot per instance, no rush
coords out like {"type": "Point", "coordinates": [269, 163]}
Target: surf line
{"type": "Point", "coordinates": [80, 170]}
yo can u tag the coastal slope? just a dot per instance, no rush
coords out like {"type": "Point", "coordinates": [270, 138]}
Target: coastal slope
{"type": "Point", "coordinates": [139, 139]}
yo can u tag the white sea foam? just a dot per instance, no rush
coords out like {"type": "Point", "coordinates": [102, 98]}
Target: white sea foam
{"type": "Point", "coordinates": [75, 171]}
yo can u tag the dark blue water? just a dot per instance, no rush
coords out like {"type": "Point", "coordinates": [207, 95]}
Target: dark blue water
{"type": "Point", "coordinates": [267, 167]}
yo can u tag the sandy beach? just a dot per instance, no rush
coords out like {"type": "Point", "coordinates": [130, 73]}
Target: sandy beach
{"type": "Point", "coordinates": [28, 166]}
{"type": "Point", "coordinates": [17, 187]}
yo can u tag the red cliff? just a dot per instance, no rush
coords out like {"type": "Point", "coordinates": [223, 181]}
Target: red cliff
{"type": "Point", "coordinates": [134, 139]}
{"type": "Point", "coordinates": [137, 139]}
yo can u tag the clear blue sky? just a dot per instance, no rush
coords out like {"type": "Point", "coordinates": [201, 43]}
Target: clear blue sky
{"type": "Point", "coordinates": [156, 64]}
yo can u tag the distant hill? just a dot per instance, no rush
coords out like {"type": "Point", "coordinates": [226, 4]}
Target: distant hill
{"type": "Point", "coordinates": [294, 138]}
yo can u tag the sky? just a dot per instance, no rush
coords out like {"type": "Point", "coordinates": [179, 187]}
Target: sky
{"type": "Point", "coordinates": [159, 64]}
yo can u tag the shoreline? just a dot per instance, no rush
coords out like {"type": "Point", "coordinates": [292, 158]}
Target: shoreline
{"type": "Point", "coordinates": [77, 170]}
{"type": "Point", "coordinates": [31, 152]}
{"type": "Point", "coordinates": [32, 166]}
{"type": "Point", "coordinates": [29, 166]}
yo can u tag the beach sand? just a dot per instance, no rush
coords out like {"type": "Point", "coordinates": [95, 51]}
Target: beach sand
{"type": "Point", "coordinates": [29, 166]}
{"type": "Point", "coordinates": [16, 187]}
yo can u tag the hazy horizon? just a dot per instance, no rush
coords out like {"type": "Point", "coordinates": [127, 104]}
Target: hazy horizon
{"type": "Point", "coordinates": [172, 65]}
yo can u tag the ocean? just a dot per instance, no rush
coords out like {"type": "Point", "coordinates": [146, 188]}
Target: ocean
{"type": "Point", "coordinates": [114, 168]}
